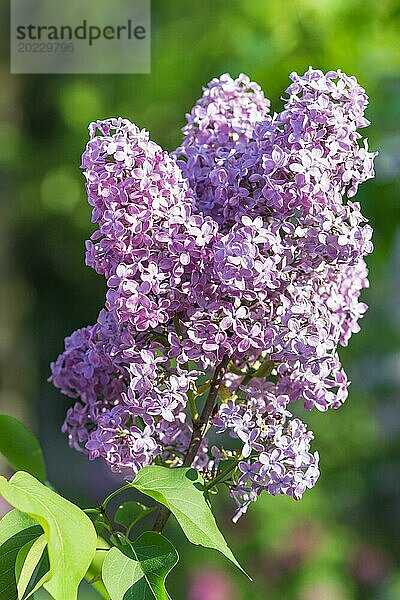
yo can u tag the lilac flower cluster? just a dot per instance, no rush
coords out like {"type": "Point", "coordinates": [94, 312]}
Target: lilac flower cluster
{"type": "Point", "coordinates": [276, 449]}
{"type": "Point", "coordinates": [221, 121]}
{"type": "Point", "coordinates": [239, 245]}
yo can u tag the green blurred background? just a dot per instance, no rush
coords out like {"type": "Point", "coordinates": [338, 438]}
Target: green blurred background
{"type": "Point", "coordinates": [342, 541]}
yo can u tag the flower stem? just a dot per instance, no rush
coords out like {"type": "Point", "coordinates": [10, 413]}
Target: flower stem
{"type": "Point", "coordinates": [199, 429]}
{"type": "Point", "coordinates": [192, 406]}
{"type": "Point", "coordinates": [222, 476]}
{"type": "Point", "coordinates": [105, 503]}
{"type": "Point", "coordinates": [145, 513]}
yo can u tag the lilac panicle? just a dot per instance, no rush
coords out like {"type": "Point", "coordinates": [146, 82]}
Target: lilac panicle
{"type": "Point", "coordinates": [149, 244]}
{"type": "Point", "coordinates": [245, 242]}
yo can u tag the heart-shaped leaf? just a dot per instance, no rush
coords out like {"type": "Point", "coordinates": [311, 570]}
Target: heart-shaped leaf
{"type": "Point", "coordinates": [16, 530]}
{"type": "Point", "coordinates": [70, 534]}
{"type": "Point", "coordinates": [20, 447]}
{"type": "Point", "coordinates": [181, 490]}
{"type": "Point", "coordinates": [140, 570]}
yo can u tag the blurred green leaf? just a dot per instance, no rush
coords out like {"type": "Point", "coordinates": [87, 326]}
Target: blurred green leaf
{"type": "Point", "coordinates": [139, 569]}
{"type": "Point", "coordinates": [55, 201]}
{"type": "Point", "coordinates": [20, 447]}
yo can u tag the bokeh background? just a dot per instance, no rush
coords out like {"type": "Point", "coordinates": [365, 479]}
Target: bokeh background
{"type": "Point", "coordinates": [342, 541]}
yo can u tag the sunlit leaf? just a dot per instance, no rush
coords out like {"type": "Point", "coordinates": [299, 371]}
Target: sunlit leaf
{"type": "Point", "coordinates": [140, 569]}
{"type": "Point", "coordinates": [70, 534]}
{"type": "Point", "coordinates": [16, 530]}
{"type": "Point", "coordinates": [181, 490]}
{"type": "Point", "coordinates": [93, 574]}
{"type": "Point", "coordinates": [32, 567]}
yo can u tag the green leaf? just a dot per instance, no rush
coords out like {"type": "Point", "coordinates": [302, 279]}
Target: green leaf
{"type": "Point", "coordinates": [21, 557]}
{"type": "Point", "coordinates": [32, 567]}
{"type": "Point", "coordinates": [265, 369]}
{"type": "Point", "coordinates": [203, 388]}
{"type": "Point", "coordinates": [13, 522]}
{"type": "Point", "coordinates": [93, 575]}
{"type": "Point", "coordinates": [181, 490]}
{"type": "Point", "coordinates": [16, 530]}
{"type": "Point", "coordinates": [93, 513]}
{"type": "Point", "coordinates": [98, 520]}
{"type": "Point", "coordinates": [128, 513]}
{"type": "Point", "coordinates": [140, 569]}
{"type": "Point", "coordinates": [224, 393]}
{"type": "Point", "coordinates": [100, 525]}
{"type": "Point", "coordinates": [70, 534]}
{"type": "Point", "coordinates": [20, 447]}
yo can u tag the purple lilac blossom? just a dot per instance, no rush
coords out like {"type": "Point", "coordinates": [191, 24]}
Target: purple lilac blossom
{"type": "Point", "coordinates": [246, 242]}
{"type": "Point", "coordinates": [222, 120]}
